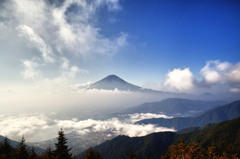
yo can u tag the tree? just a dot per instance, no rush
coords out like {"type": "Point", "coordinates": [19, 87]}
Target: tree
{"type": "Point", "coordinates": [6, 149]}
{"type": "Point", "coordinates": [62, 151]}
{"type": "Point", "coordinates": [33, 154]}
{"type": "Point", "coordinates": [22, 151]}
{"type": "Point", "coordinates": [131, 155]}
{"type": "Point", "coordinates": [91, 154]}
{"type": "Point", "coordinates": [182, 151]}
{"type": "Point", "coordinates": [48, 154]}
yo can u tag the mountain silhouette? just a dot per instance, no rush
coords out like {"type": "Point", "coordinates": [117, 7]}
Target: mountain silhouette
{"type": "Point", "coordinates": [112, 82]}
{"type": "Point", "coordinates": [216, 115]}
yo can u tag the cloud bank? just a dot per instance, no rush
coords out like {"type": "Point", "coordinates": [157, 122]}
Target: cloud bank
{"type": "Point", "coordinates": [39, 127]}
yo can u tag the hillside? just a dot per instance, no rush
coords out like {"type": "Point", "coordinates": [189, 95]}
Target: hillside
{"type": "Point", "coordinates": [150, 145]}
{"type": "Point", "coordinates": [14, 144]}
{"type": "Point", "coordinates": [175, 107]}
{"type": "Point", "coordinates": [219, 114]}
{"type": "Point", "coordinates": [225, 135]}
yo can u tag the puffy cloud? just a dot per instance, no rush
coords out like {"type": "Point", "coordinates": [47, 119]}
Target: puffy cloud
{"type": "Point", "coordinates": [218, 72]}
{"type": "Point", "coordinates": [212, 71]}
{"type": "Point", "coordinates": [38, 127]}
{"type": "Point", "coordinates": [234, 74]}
{"type": "Point", "coordinates": [180, 80]}
{"type": "Point", "coordinates": [216, 76]}
{"type": "Point", "coordinates": [33, 127]}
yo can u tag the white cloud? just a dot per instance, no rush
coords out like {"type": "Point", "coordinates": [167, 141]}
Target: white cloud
{"type": "Point", "coordinates": [217, 77]}
{"type": "Point", "coordinates": [216, 72]}
{"type": "Point", "coordinates": [57, 31]}
{"type": "Point", "coordinates": [234, 74]}
{"type": "Point", "coordinates": [211, 71]}
{"type": "Point", "coordinates": [38, 127]}
{"type": "Point", "coordinates": [114, 125]}
{"type": "Point", "coordinates": [65, 30]}
{"type": "Point", "coordinates": [37, 41]}
{"type": "Point", "coordinates": [33, 127]}
{"type": "Point", "coordinates": [180, 80]}
{"type": "Point", "coordinates": [70, 72]}
{"type": "Point", "coordinates": [222, 66]}
{"type": "Point", "coordinates": [235, 90]}
{"type": "Point", "coordinates": [141, 116]}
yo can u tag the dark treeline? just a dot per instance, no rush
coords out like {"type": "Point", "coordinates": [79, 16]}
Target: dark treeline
{"type": "Point", "coordinates": [23, 152]}
{"type": "Point", "coordinates": [178, 151]}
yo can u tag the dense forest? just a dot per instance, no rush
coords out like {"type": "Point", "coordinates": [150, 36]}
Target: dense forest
{"type": "Point", "coordinates": [216, 141]}
{"type": "Point", "coordinates": [7, 151]}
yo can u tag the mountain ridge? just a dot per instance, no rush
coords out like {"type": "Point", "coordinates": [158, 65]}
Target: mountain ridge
{"type": "Point", "coordinates": [219, 114]}
{"type": "Point", "coordinates": [175, 106]}
{"type": "Point", "coordinates": [156, 144]}
{"type": "Point", "coordinates": [14, 144]}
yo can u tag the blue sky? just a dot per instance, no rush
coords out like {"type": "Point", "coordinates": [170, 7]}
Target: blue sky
{"type": "Point", "coordinates": [176, 34]}
{"type": "Point", "coordinates": [141, 41]}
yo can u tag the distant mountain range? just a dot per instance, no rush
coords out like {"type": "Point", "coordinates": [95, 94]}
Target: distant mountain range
{"type": "Point", "coordinates": [14, 144]}
{"type": "Point", "coordinates": [216, 115]}
{"type": "Point", "coordinates": [224, 135]}
{"type": "Point", "coordinates": [175, 107]}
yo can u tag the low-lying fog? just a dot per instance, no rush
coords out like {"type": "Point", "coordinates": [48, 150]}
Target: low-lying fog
{"type": "Point", "coordinates": [40, 127]}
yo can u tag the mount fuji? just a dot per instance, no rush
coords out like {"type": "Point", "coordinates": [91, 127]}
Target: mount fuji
{"type": "Point", "coordinates": [113, 82]}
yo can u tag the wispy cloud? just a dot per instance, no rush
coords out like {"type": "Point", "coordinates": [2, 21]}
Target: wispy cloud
{"type": "Point", "coordinates": [37, 42]}
{"type": "Point", "coordinates": [57, 31]}
{"type": "Point", "coordinates": [30, 72]}
{"type": "Point", "coordinates": [62, 27]}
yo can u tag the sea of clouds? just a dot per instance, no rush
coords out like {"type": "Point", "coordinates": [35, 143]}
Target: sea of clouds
{"type": "Point", "coordinates": [40, 127]}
